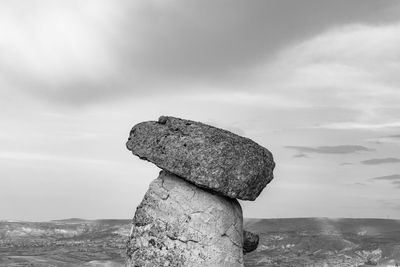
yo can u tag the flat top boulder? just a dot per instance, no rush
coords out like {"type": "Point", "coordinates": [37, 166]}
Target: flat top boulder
{"type": "Point", "coordinates": [209, 157]}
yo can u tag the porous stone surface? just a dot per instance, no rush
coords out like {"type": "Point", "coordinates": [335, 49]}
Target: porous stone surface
{"type": "Point", "coordinates": [209, 157]}
{"type": "Point", "coordinates": [179, 224]}
{"type": "Point", "coordinates": [250, 241]}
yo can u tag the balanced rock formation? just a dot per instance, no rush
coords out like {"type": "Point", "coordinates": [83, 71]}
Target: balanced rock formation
{"type": "Point", "coordinates": [179, 224]}
{"type": "Point", "coordinates": [190, 215]}
{"type": "Point", "coordinates": [250, 241]}
{"type": "Point", "coordinates": [207, 156]}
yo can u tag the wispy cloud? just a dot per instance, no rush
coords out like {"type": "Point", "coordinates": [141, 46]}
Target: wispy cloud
{"type": "Point", "coordinates": [346, 163]}
{"type": "Point", "coordinates": [380, 161]}
{"type": "Point", "coordinates": [41, 157]}
{"type": "Point", "coordinates": [359, 184]}
{"type": "Point", "coordinates": [392, 204]}
{"type": "Point", "coordinates": [394, 179]}
{"type": "Point", "coordinates": [356, 125]}
{"type": "Point", "coordinates": [392, 136]}
{"type": "Point", "coordinates": [300, 155]}
{"type": "Point", "coordinates": [342, 149]}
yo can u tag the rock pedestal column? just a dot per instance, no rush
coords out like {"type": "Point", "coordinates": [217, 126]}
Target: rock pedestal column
{"type": "Point", "coordinates": [189, 215]}
{"type": "Point", "coordinates": [179, 224]}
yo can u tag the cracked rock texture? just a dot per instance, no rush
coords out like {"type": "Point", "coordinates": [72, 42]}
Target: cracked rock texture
{"type": "Point", "coordinates": [207, 156]}
{"type": "Point", "coordinates": [250, 241]}
{"type": "Point", "coordinates": [179, 224]}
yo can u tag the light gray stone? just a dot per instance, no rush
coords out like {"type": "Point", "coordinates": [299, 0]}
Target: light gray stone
{"type": "Point", "coordinates": [209, 157]}
{"type": "Point", "coordinates": [179, 224]}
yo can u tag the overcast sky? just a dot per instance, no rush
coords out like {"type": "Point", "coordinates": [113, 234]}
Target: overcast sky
{"type": "Point", "coordinates": [316, 82]}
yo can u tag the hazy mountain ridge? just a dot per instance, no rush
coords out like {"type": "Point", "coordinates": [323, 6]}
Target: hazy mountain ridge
{"type": "Point", "coordinates": [283, 242]}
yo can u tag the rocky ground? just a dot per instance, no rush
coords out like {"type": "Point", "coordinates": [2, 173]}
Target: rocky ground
{"type": "Point", "coordinates": [72, 242]}
{"type": "Point", "coordinates": [283, 242]}
{"type": "Point", "coordinates": [325, 242]}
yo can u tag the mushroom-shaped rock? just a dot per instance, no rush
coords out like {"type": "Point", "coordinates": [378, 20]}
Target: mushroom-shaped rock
{"type": "Point", "coordinates": [209, 157]}
{"type": "Point", "coordinates": [179, 224]}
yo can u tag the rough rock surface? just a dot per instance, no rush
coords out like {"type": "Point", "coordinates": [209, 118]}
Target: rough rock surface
{"type": "Point", "coordinates": [179, 224]}
{"type": "Point", "coordinates": [209, 157]}
{"type": "Point", "coordinates": [250, 241]}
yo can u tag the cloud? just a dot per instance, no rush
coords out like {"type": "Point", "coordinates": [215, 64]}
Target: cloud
{"type": "Point", "coordinates": [215, 40]}
{"type": "Point", "coordinates": [58, 49]}
{"type": "Point", "coordinates": [300, 155]}
{"type": "Point", "coordinates": [393, 136]}
{"type": "Point", "coordinates": [74, 52]}
{"type": "Point", "coordinates": [346, 163]}
{"type": "Point", "coordinates": [342, 149]}
{"type": "Point", "coordinates": [40, 157]}
{"type": "Point", "coordinates": [380, 161]}
{"type": "Point", "coordinates": [270, 68]}
{"type": "Point", "coordinates": [343, 67]}
{"type": "Point", "coordinates": [393, 204]}
{"type": "Point", "coordinates": [359, 184]}
{"type": "Point", "coordinates": [394, 179]}
{"type": "Point", "coordinates": [356, 125]}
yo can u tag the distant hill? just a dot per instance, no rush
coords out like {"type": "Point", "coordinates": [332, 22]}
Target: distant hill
{"type": "Point", "coordinates": [283, 242]}
{"type": "Point", "coordinates": [70, 220]}
{"type": "Point", "coordinates": [80, 220]}
{"type": "Point", "coordinates": [369, 227]}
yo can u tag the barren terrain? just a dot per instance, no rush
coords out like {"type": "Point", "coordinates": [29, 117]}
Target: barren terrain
{"type": "Point", "coordinates": [283, 242]}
